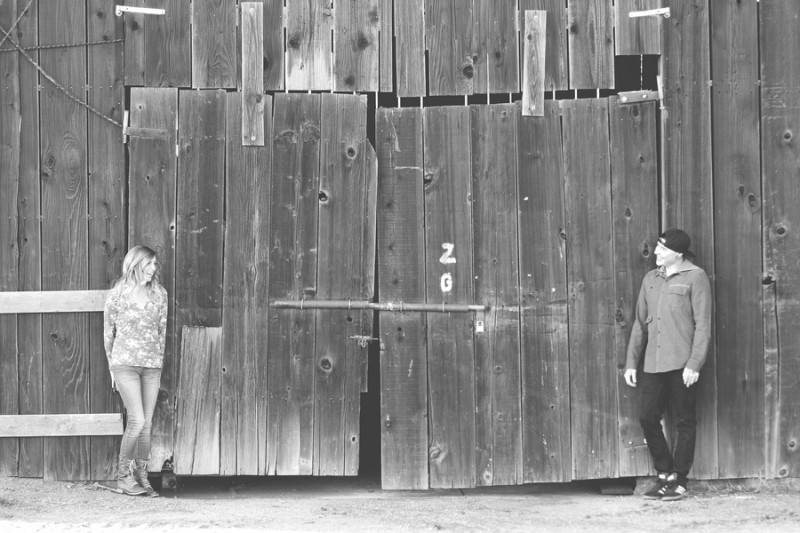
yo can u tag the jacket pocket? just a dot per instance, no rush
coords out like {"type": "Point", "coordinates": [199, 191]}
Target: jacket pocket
{"type": "Point", "coordinates": [677, 297]}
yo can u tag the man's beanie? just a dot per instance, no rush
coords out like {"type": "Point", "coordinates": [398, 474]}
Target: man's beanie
{"type": "Point", "coordinates": [676, 240]}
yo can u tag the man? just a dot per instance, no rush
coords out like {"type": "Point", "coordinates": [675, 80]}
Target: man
{"type": "Point", "coordinates": [672, 329]}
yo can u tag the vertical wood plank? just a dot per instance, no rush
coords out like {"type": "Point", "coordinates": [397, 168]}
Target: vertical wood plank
{"type": "Point", "coordinates": [386, 47]}
{"type": "Point", "coordinates": [273, 45]}
{"type": "Point", "coordinates": [533, 68]}
{"type": "Point", "coordinates": [543, 284]}
{"type": "Point", "coordinates": [293, 275]}
{"type": "Point", "coordinates": [10, 154]}
{"type": "Point", "coordinates": [401, 275]}
{"type": "Point", "coordinates": [780, 122]}
{"type": "Point", "coordinates": [409, 20]}
{"type": "Point", "coordinates": [107, 192]}
{"type": "Point", "coordinates": [214, 51]}
{"type": "Point", "coordinates": [686, 178]}
{"type": "Point", "coordinates": [737, 237]}
{"type": "Point", "coordinates": [356, 42]}
{"type": "Point", "coordinates": [591, 44]}
{"type": "Point", "coordinates": [498, 396]}
{"type": "Point", "coordinates": [197, 449]}
{"type": "Point", "coordinates": [448, 40]}
{"type": "Point", "coordinates": [152, 190]}
{"type": "Point", "coordinates": [636, 36]}
{"type": "Point", "coordinates": [252, 105]}
{"type": "Point", "coordinates": [496, 45]}
{"type": "Point", "coordinates": [64, 232]}
{"type": "Point", "coordinates": [634, 201]}
{"type": "Point", "coordinates": [201, 172]}
{"type": "Point", "coordinates": [448, 260]}
{"type": "Point", "coordinates": [368, 247]}
{"type": "Point", "coordinates": [337, 356]}
{"type": "Point", "coordinates": [29, 327]}
{"type": "Point", "coordinates": [134, 55]}
{"type": "Point", "coordinates": [590, 283]}
{"type": "Point", "coordinates": [247, 187]}
{"type": "Point", "coordinates": [308, 45]}
{"type": "Point", "coordinates": [556, 65]}
{"type": "Point", "coordinates": [168, 45]}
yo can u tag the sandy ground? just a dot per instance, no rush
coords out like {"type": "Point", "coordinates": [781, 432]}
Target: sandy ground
{"type": "Point", "coordinates": [355, 505]}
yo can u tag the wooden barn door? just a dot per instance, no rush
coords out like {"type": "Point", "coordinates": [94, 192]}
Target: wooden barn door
{"type": "Point", "coordinates": [546, 221]}
{"type": "Point", "coordinates": [250, 389]}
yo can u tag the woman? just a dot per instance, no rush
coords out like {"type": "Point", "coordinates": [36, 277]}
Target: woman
{"type": "Point", "coordinates": [135, 324]}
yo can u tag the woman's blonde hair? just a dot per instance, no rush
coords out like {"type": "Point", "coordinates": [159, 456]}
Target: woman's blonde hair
{"type": "Point", "coordinates": [133, 266]}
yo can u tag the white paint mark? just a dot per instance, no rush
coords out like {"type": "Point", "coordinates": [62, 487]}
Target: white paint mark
{"type": "Point", "coordinates": [447, 257]}
{"type": "Point", "coordinates": [446, 282]}
{"type": "Point", "coordinates": [410, 368]}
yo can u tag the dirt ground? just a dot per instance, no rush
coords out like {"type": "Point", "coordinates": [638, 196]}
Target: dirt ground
{"type": "Point", "coordinates": [357, 505]}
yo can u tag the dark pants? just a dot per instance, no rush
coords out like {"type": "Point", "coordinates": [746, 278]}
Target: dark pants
{"type": "Point", "coordinates": [659, 391]}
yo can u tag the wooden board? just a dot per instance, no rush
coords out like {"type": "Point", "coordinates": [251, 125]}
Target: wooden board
{"type": "Point", "coordinates": [448, 40]}
{"type": "Point", "coordinates": [244, 320]}
{"type": "Point", "coordinates": [543, 287]}
{"type": "Point", "coordinates": [590, 289]}
{"type": "Point", "coordinates": [495, 44]}
{"type": "Point", "coordinates": [63, 149]}
{"type": "Point", "coordinates": [337, 356]}
{"type": "Point", "coordinates": [152, 190]}
{"type": "Point", "coordinates": [356, 45]}
{"type": "Point", "coordinates": [214, 51]}
{"type": "Point", "coordinates": [134, 54]}
{"type": "Point", "coordinates": [368, 250]}
{"type": "Point", "coordinates": [201, 174]}
{"type": "Point", "coordinates": [556, 66]}
{"type": "Point", "coordinates": [29, 327]}
{"type": "Point", "coordinates": [737, 227]}
{"type": "Point", "coordinates": [498, 395]}
{"type": "Point", "coordinates": [77, 301]}
{"type": "Point", "coordinates": [533, 67]}
{"type": "Point", "coordinates": [252, 104]}
{"type": "Point", "coordinates": [273, 45]}
{"type": "Point", "coordinates": [448, 269]}
{"type": "Point", "coordinates": [61, 425]}
{"type": "Point", "coordinates": [308, 45]}
{"type": "Point", "coordinates": [634, 200]}
{"type": "Point", "coordinates": [401, 267]}
{"type": "Point", "coordinates": [385, 46]}
{"type": "Point", "coordinates": [107, 187]}
{"type": "Point", "coordinates": [639, 35]}
{"type": "Point", "coordinates": [780, 124]}
{"type": "Point", "coordinates": [409, 20]}
{"type": "Point", "coordinates": [197, 432]}
{"type": "Point", "coordinates": [10, 152]}
{"type": "Point", "coordinates": [293, 275]}
{"type": "Point", "coordinates": [686, 178]}
{"type": "Point", "coordinates": [591, 44]}
{"type": "Point", "coordinates": [168, 45]}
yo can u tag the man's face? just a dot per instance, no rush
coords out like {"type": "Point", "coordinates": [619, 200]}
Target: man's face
{"type": "Point", "coordinates": [664, 256]}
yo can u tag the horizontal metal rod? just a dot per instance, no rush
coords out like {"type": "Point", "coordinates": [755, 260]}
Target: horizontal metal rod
{"type": "Point", "coordinates": [396, 307]}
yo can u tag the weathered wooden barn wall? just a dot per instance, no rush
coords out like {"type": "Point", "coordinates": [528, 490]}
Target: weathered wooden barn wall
{"type": "Point", "coordinates": [537, 395]}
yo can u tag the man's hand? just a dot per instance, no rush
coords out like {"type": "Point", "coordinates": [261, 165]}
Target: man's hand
{"type": "Point", "coordinates": [630, 377]}
{"type": "Point", "coordinates": [690, 376]}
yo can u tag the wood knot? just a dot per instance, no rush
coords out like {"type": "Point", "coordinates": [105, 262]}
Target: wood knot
{"type": "Point", "coordinates": [787, 135]}
{"type": "Point", "coordinates": [350, 80]}
{"type": "Point", "coordinates": [325, 365]}
{"type": "Point", "coordinates": [362, 41]}
{"type": "Point", "coordinates": [780, 230]}
{"type": "Point", "coordinates": [387, 421]}
{"type": "Point", "coordinates": [351, 152]}
{"type": "Point", "coordinates": [294, 41]}
{"type": "Point", "coordinates": [468, 71]}
{"type": "Point", "coordinates": [323, 197]}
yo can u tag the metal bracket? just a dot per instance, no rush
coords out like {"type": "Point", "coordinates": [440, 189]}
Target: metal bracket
{"type": "Point", "coordinates": [119, 10]}
{"type": "Point", "coordinates": [661, 11]}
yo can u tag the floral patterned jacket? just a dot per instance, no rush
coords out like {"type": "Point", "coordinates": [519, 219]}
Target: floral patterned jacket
{"type": "Point", "coordinates": [134, 332]}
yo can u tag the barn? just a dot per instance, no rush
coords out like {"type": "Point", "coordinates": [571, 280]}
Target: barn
{"type": "Point", "coordinates": [400, 235]}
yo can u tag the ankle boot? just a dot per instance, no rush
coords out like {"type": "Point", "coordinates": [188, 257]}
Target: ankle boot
{"type": "Point", "coordinates": [125, 481]}
{"type": "Point", "coordinates": [140, 475]}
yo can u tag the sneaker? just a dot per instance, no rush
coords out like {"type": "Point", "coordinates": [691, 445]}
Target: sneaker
{"type": "Point", "coordinates": [656, 492]}
{"type": "Point", "coordinates": [674, 491]}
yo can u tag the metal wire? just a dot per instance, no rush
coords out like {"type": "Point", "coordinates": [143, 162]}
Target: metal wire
{"type": "Point", "coordinates": [21, 14]}
{"type": "Point", "coordinates": [51, 46]}
{"type": "Point", "coordinates": [52, 80]}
